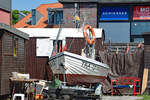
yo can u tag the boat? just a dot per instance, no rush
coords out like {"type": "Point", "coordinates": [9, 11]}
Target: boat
{"type": "Point", "coordinates": [73, 68]}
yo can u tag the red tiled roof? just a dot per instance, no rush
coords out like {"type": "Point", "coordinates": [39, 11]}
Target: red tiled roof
{"type": "Point", "coordinates": [43, 21]}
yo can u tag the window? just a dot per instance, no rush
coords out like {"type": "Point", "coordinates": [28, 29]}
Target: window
{"type": "Point", "coordinates": [15, 46]}
{"type": "Point", "coordinates": [55, 17]}
{"type": "Point", "coordinates": [137, 28]}
{"type": "Point", "coordinates": [43, 46]}
{"type": "Point", "coordinates": [136, 39]}
{"type": "Point", "coordinates": [58, 45]}
{"type": "Point", "coordinates": [116, 32]}
{"type": "Point", "coordinates": [29, 21]}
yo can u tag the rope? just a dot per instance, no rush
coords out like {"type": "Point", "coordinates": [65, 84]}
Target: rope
{"type": "Point", "coordinates": [71, 44]}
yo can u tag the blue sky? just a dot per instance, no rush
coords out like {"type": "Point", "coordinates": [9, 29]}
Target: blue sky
{"type": "Point", "coordinates": [29, 4]}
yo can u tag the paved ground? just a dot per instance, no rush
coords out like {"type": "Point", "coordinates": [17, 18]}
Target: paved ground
{"type": "Point", "coordinates": [111, 98]}
{"type": "Point", "coordinates": [121, 98]}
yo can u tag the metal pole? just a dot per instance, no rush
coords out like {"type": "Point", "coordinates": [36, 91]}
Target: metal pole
{"type": "Point", "coordinates": [55, 43]}
{"type": "Point", "coordinates": [75, 14]}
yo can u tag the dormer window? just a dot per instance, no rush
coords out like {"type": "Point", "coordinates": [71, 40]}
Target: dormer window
{"type": "Point", "coordinates": [34, 19]}
{"type": "Point", "coordinates": [55, 16]}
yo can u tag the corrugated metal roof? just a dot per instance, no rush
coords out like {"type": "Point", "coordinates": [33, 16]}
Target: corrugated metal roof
{"type": "Point", "coordinates": [14, 31]}
{"type": "Point", "coordinates": [52, 32]}
{"type": "Point", "coordinates": [107, 1]}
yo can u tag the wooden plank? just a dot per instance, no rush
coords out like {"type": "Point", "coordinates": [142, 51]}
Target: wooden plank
{"type": "Point", "coordinates": [24, 80]}
{"type": "Point", "coordinates": [35, 66]}
{"type": "Point", "coordinates": [144, 82]}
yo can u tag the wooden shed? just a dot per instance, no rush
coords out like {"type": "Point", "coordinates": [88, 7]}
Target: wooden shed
{"type": "Point", "coordinates": [12, 55]}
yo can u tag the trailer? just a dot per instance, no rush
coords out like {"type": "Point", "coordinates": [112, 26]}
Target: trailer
{"type": "Point", "coordinates": [74, 92]}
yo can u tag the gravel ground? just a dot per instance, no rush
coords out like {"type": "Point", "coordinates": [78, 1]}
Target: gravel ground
{"type": "Point", "coordinates": [121, 98]}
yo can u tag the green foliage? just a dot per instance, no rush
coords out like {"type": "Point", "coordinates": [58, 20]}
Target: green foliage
{"type": "Point", "coordinates": [145, 97]}
{"type": "Point", "coordinates": [14, 21]}
{"type": "Point", "coordinates": [15, 15]}
{"type": "Point", "coordinates": [15, 12]}
{"type": "Point", "coordinates": [25, 12]}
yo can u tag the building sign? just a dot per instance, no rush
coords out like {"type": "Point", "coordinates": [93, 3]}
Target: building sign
{"type": "Point", "coordinates": [114, 13]}
{"type": "Point", "coordinates": [141, 12]}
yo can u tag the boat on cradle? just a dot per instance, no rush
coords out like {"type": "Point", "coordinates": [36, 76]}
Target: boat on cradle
{"type": "Point", "coordinates": [73, 68]}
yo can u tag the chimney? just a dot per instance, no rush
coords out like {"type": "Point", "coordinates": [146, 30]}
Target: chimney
{"type": "Point", "coordinates": [33, 16]}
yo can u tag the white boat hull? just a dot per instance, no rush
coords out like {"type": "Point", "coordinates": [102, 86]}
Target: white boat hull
{"type": "Point", "coordinates": [74, 68]}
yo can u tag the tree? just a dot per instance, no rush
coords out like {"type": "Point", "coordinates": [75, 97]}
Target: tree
{"type": "Point", "coordinates": [25, 12]}
{"type": "Point", "coordinates": [15, 15]}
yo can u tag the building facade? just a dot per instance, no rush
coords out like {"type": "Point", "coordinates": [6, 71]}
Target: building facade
{"type": "Point", "coordinates": [5, 11]}
{"type": "Point", "coordinates": [44, 16]}
{"type": "Point", "coordinates": [123, 20]}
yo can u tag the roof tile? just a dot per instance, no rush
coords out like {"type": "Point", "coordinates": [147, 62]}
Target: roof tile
{"type": "Point", "coordinates": [43, 21]}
